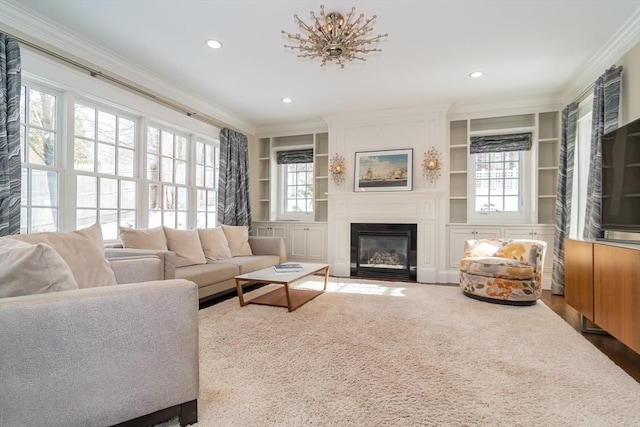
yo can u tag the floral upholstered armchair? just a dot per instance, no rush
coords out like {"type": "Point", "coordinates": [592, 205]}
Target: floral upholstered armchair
{"type": "Point", "coordinates": [505, 271]}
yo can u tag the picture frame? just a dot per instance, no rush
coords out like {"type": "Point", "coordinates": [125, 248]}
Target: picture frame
{"type": "Point", "coordinates": [386, 170]}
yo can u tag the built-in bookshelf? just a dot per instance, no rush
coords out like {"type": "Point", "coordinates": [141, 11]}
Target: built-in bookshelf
{"type": "Point", "coordinates": [267, 177]}
{"type": "Point", "coordinates": [545, 128]}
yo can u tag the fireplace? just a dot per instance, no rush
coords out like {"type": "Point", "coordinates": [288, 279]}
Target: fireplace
{"type": "Point", "coordinates": [385, 251]}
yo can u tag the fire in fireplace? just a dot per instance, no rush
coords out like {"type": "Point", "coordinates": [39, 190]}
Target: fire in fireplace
{"type": "Point", "coordinates": [384, 250]}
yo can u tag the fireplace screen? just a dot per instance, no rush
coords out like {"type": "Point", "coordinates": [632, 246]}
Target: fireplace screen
{"type": "Point", "coordinates": [383, 250]}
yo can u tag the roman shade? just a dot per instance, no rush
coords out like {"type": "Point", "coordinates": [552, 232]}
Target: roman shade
{"type": "Point", "coordinates": [294, 156]}
{"type": "Point", "coordinates": [500, 143]}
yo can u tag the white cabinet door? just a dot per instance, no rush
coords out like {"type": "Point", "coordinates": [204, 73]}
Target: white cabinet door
{"type": "Point", "coordinates": [308, 243]}
{"type": "Point", "coordinates": [316, 244]}
{"type": "Point", "coordinates": [270, 229]}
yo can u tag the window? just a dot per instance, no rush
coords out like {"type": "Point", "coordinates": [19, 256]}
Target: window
{"type": "Point", "coordinates": [497, 182]}
{"type": "Point", "coordinates": [104, 158]}
{"type": "Point", "coordinates": [167, 175]}
{"type": "Point", "coordinates": [207, 155]}
{"type": "Point", "coordinates": [500, 164]}
{"type": "Point", "coordinates": [295, 177]}
{"type": "Point", "coordinates": [41, 170]}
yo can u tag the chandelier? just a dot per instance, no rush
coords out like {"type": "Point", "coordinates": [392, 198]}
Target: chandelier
{"type": "Point", "coordinates": [336, 40]}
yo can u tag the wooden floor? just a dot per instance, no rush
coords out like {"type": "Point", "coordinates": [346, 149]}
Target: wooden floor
{"type": "Point", "coordinates": [619, 353]}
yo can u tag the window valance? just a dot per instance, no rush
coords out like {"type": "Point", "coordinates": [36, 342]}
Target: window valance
{"type": "Point", "coordinates": [294, 156]}
{"type": "Point", "coordinates": [501, 143]}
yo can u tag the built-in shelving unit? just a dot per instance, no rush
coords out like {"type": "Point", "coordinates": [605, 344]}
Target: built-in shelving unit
{"type": "Point", "coordinates": [267, 182]}
{"type": "Point", "coordinates": [545, 128]}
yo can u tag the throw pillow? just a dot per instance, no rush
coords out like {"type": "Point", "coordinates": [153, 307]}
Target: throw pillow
{"type": "Point", "coordinates": [82, 250]}
{"type": "Point", "coordinates": [186, 245]}
{"type": "Point", "coordinates": [238, 238]}
{"type": "Point", "coordinates": [152, 238]}
{"type": "Point", "coordinates": [214, 243]}
{"type": "Point", "coordinates": [32, 269]}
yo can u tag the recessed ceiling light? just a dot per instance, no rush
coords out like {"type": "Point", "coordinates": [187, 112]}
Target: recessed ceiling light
{"type": "Point", "coordinates": [476, 74]}
{"type": "Point", "coordinates": [286, 100]}
{"type": "Point", "coordinates": [214, 44]}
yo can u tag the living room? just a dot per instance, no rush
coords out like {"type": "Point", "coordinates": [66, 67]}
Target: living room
{"type": "Point", "coordinates": [357, 116]}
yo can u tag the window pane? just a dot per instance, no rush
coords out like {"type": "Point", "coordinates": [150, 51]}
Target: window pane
{"type": "Point", "coordinates": [108, 193]}
{"type": "Point", "coordinates": [127, 195]}
{"type": "Point", "coordinates": [166, 170]}
{"type": "Point", "coordinates": [106, 127]}
{"type": "Point", "coordinates": [201, 220]}
{"type": "Point", "coordinates": [181, 148]}
{"type": "Point", "coordinates": [24, 144]}
{"type": "Point", "coordinates": [152, 168]}
{"type": "Point", "coordinates": [24, 220]}
{"type": "Point", "coordinates": [210, 178]}
{"type": "Point", "coordinates": [23, 100]}
{"type": "Point", "coordinates": [155, 219]}
{"type": "Point", "coordinates": [181, 172]}
{"type": "Point", "coordinates": [125, 162]}
{"type": "Point", "coordinates": [200, 153]}
{"type": "Point", "coordinates": [83, 155]}
{"type": "Point", "coordinates": [201, 200]}
{"type": "Point", "coordinates": [44, 219]}
{"type": "Point", "coordinates": [209, 159]}
{"type": "Point", "coordinates": [87, 192]}
{"type": "Point", "coordinates": [85, 121]}
{"type": "Point", "coordinates": [42, 109]}
{"type": "Point", "coordinates": [44, 188]}
{"type": "Point", "coordinates": [153, 141]}
{"type": "Point", "coordinates": [155, 196]}
{"type": "Point", "coordinates": [24, 187]}
{"type": "Point", "coordinates": [511, 187]}
{"type": "Point", "coordinates": [126, 132]}
{"type": "Point", "coordinates": [42, 147]}
{"type": "Point", "coordinates": [212, 201]}
{"type": "Point", "coordinates": [181, 202]}
{"type": "Point", "coordinates": [128, 219]}
{"type": "Point", "coordinates": [482, 204]}
{"type": "Point", "coordinates": [107, 159]}
{"type": "Point", "coordinates": [168, 197]}
{"type": "Point", "coordinates": [86, 217]}
{"type": "Point", "coordinates": [511, 204]}
{"type": "Point", "coordinates": [182, 221]}
{"type": "Point", "coordinates": [167, 143]}
{"type": "Point", "coordinates": [109, 223]}
{"type": "Point", "coordinates": [200, 176]}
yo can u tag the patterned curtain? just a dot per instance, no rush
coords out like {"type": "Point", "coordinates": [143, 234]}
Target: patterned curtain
{"type": "Point", "coordinates": [563, 199]}
{"type": "Point", "coordinates": [500, 143]}
{"type": "Point", "coordinates": [606, 103]}
{"type": "Point", "coordinates": [10, 174]}
{"type": "Point", "coordinates": [234, 206]}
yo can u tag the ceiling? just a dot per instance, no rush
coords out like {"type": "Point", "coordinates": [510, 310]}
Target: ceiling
{"type": "Point", "coordinates": [527, 49]}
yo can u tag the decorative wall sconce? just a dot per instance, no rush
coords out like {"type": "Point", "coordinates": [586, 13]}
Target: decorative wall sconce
{"type": "Point", "coordinates": [337, 169]}
{"type": "Point", "coordinates": [431, 165]}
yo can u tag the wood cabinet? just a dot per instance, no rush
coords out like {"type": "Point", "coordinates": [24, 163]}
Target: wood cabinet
{"type": "Point", "coordinates": [578, 276]}
{"type": "Point", "coordinates": [609, 291]}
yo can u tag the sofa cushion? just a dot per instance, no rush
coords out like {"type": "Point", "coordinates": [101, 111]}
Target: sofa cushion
{"type": "Point", "coordinates": [186, 245]}
{"type": "Point", "coordinates": [247, 264]}
{"type": "Point", "coordinates": [133, 238]}
{"type": "Point", "coordinates": [497, 267]}
{"type": "Point", "coordinates": [82, 250]}
{"type": "Point", "coordinates": [238, 238]}
{"type": "Point", "coordinates": [207, 274]}
{"type": "Point", "coordinates": [214, 243]}
{"type": "Point", "coordinates": [32, 269]}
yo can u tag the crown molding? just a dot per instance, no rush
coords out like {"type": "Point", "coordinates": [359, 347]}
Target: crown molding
{"type": "Point", "coordinates": [35, 28]}
{"type": "Point", "coordinates": [510, 108]}
{"type": "Point", "coordinates": [621, 42]}
{"type": "Point", "coordinates": [291, 128]}
{"type": "Point", "coordinates": [389, 114]}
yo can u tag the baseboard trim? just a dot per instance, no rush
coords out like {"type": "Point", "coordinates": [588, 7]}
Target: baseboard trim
{"type": "Point", "coordinates": [186, 412]}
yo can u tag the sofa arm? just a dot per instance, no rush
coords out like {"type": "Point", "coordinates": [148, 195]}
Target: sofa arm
{"type": "Point", "coordinates": [168, 258]}
{"type": "Point", "coordinates": [98, 356]}
{"type": "Point", "coordinates": [136, 269]}
{"type": "Point", "coordinates": [267, 245]}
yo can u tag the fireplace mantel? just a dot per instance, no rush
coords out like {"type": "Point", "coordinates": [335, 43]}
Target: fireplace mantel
{"type": "Point", "coordinates": [416, 207]}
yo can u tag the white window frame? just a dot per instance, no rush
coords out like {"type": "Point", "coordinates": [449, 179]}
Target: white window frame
{"type": "Point", "coordinates": [209, 213]}
{"type": "Point", "coordinates": [26, 205]}
{"type": "Point", "coordinates": [281, 174]}
{"type": "Point", "coordinates": [102, 177]}
{"type": "Point", "coordinates": [491, 217]}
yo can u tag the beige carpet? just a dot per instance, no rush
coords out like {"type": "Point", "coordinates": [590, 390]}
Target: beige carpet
{"type": "Point", "coordinates": [372, 353]}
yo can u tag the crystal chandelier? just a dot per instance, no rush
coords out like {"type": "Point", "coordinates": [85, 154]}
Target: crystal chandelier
{"type": "Point", "coordinates": [336, 40]}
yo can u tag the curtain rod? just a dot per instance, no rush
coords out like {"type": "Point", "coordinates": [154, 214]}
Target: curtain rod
{"type": "Point", "coordinates": [136, 89]}
{"type": "Point", "coordinates": [589, 88]}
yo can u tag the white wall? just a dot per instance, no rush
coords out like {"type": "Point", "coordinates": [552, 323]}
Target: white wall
{"type": "Point", "coordinates": [418, 129]}
{"type": "Point", "coordinates": [630, 98]}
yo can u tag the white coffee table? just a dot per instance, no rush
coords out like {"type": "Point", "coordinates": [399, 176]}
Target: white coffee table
{"type": "Point", "coordinates": [290, 298]}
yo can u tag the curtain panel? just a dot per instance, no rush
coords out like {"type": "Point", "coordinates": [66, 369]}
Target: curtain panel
{"type": "Point", "coordinates": [500, 143]}
{"type": "Point", "coordinates": [234, 204]}
{"type": "Point", "coordinates": [10, 173]}
{"type": "Point", "coordinates": [294, 156]}
{"type": "Point", "coordinates": [564, 194]}
{"type": "Point", "coordinates": [606, 106]}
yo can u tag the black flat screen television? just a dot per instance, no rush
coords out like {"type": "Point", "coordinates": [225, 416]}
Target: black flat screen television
{"type": "Point", "coordinates": [621, 179]}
